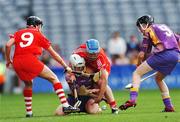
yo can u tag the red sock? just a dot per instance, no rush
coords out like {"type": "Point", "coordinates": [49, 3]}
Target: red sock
{"type": "Point", "coordinates": [28, 100]}
{"type": "Point", "coordinates": [60, 93]}
{"type": "Point", "coordinates": [112, 104]}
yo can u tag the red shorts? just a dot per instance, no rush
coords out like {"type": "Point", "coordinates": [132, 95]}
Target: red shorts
{"type": "Point", "coordinates": [27, 67]}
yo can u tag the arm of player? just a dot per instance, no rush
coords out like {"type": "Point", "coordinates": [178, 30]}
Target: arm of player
{"type": "Point", "coordinates": [140, 57]}
{"type": "Point", "coordinates": [9, 44]}
{"type": "Point", "coordinates": [58, 58]}
{"type": "Point", "coordinates": [96, 76]}
{"type": "Point", "coordinates": [146, 47]}
{"type": "Point", "coordinates": [102, 84]}
{"type": "Point", "coordinates": [70, 77]}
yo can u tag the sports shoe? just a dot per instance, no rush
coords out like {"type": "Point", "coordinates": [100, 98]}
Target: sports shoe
{"type": "Point", "coordinates": [70, 109]}
{"type": "Point", "coordinates": [168, 109]}
{"type": "Point", "coordinates": [115, 110]}
{"type": "Point", "coordinates": [127, 104]}
{"type": "Point", "coordinates": [29, 115]}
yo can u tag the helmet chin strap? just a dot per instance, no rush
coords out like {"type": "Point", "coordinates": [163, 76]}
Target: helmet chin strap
{"type": "Point", "coordinates": [75, 68]}
{"type": "Point", "coordinates": [144, 28]}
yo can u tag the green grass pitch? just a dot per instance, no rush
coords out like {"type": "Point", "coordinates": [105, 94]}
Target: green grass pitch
{"type": "Point", "coordinates": [148, 109]}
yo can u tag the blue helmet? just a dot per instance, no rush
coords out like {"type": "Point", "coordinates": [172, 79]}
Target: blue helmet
{"type": "Point", "coordinates": [92, 46]}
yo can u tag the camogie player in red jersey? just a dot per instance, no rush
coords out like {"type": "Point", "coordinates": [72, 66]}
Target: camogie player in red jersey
{"type": "Point", "coordinates": [96, 59]}
{"type": "Point", "coordinates": [28, 47]}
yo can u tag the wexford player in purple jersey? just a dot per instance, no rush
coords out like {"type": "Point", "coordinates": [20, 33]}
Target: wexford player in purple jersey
{"type": "Point", "coordinates": [163, 59]}
{"type": "Point", "coordinates": [84, 86]}
{"type": "Point", "coordinates": [87, 87]}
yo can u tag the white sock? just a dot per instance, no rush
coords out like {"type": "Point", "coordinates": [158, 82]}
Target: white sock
{"type": "Point", "coordinates": [29, 112]}
{"type": "Point", "coordinates": [65, 104]}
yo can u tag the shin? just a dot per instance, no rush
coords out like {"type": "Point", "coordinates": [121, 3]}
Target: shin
{"type": "Point", "coordinates": [164, 92]}
{"type": "Point", "coordinates": [138, 73]}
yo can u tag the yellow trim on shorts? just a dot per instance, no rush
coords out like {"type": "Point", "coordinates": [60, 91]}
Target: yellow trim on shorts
{"type": "Point", "coordinates": [134, 89]}
{"type": "Point", "coordinates": [166, 97]}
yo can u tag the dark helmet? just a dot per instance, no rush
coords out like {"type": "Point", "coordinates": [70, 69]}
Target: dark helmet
{"type": "Point", "coordinates": [34, 20]}
{"type": "Point", "coordinates": [146, 19]}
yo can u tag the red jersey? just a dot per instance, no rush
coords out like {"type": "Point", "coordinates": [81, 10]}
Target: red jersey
{"type": "Point", "coordinates": [102, 60]}
{"type": "Point", "coordinates": [30, 41]}
{"type": "Point", "coordinates": [28, 45]}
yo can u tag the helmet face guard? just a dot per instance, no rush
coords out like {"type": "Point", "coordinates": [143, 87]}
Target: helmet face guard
{"type": "Point", "coordinates": [78, 68]}
{"type": "Point", "coordinates": [144, 22]}
{"type": "Point", "coordinates": [144, 27]}
{"type": "Point", "coordinates": [77, 62]}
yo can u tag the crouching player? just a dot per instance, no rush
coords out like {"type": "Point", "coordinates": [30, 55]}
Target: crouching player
{"type": "Point", "coordinates": [163, 60]}
{"type": "Point", "coordinates": [96, 59]}
{"type": "Point", "coordinates": [82, 87]}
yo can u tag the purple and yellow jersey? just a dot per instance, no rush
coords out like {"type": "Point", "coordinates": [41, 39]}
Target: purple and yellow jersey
{"type": "Point", "coordinates": [146, 45]}
{"type": "Point", "coordinates": [82, 80]}
{"type": "Point", "coordinates": [159, 34]}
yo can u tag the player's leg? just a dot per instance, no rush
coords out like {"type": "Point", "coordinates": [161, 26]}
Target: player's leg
{"type": "Point", "coordinates": [27, 92]}
{"type": "Point", "coordinates": [50, 76]}
{"type": "Point", "coordinates": [59, 111]}
{"type": "Point", "coordinates": [110, 99]}
{"type": "Point", "coordinates": [109, 94]}
{"type": "Point", "coordinates": [137, 74]}
{"type": "Point", "coordinates": [87, 105]}
{"type": "Point", "coordinates": [164, 92]}
{"type": "Point", "coordinates": [91, 107]}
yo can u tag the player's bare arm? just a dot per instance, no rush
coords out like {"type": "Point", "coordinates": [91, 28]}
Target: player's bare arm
{"type": "Point", "coordinates": [141, 56]}
{"type": "Point", "coordinates": [9, 44]}
{"type": "Point", "coordinates": [58, 58]}
{"type": "Point", "coordinates": [102, 84]}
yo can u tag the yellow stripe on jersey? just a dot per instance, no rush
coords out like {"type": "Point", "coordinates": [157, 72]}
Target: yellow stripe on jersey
{"type": "Point", "coordinates": [153, 36]}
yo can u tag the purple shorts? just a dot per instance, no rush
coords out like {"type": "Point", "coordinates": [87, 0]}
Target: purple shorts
{"type": "Point", "coordinates": [164, 62]}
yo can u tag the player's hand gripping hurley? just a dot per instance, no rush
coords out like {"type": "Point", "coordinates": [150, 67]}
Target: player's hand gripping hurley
{"type": "Point", "coordinates": [77, 101]}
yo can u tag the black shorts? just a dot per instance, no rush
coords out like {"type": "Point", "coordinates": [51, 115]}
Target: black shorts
{"type": "Point", "coordinates": [83, 99]}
